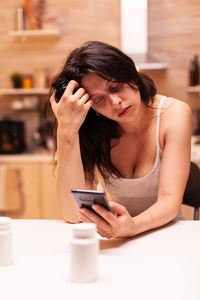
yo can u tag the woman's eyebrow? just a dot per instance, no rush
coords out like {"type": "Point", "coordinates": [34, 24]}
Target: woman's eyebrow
{"type": "Point", "coordinates": [92, 95]}
{"type": "Point", "coordinates": [107, 83]}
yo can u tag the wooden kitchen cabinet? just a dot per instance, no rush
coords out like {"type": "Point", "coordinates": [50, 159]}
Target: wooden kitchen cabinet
{"type": "Point", "coordinates": [21, 191]}
{"type": "Point", "coordinates": [51, 208]}
{"type": "Point", "coordinates": [29, 191]}
{"type": "Point", "coordinates": [34, 182]}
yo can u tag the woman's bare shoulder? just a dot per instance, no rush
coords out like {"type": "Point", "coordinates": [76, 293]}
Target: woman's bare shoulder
{"type": "Point", "coordinates": [176, 116]}
{"type": "Point", "coordinates": [173, 107]}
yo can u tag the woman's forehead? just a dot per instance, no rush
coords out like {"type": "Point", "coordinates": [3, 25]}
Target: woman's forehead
{"type": "Point", "coordinates": [92, 81]}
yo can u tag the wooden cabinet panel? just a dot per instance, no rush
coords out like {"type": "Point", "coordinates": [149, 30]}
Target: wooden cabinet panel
{"type": "Point", "coordinates": [22, 184]}
{"type": "Point", "coordinates": [35, 185]}
{"type": "Point", "coordinates": [51, 208]}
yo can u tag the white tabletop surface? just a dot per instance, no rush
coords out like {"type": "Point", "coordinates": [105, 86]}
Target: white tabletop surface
{"type": "Point", "coordinates": [161, 264]}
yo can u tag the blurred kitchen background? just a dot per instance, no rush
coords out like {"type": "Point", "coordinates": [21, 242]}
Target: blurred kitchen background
{"type": "Point", "coordinates": [163, 38]}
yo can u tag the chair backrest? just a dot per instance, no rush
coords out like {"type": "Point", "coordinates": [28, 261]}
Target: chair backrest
{"type": "Point", "coordinates": [192, 191]}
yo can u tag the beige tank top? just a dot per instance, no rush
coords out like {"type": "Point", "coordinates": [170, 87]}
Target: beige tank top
{"type": "Point", "coordinates": [138, 194]}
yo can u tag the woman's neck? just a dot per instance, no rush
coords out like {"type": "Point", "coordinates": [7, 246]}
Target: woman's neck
{"type": "Point", "coordinates": [140, 123]}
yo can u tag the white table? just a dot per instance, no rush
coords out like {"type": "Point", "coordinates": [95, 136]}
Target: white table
{"type": "Point", "coordinates": [161, 264]}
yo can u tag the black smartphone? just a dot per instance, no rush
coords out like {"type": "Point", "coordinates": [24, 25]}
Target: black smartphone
{"type": "Point", "coordinates": [86, 198]}
{"type": "Point", "coordinates": [59, 86]}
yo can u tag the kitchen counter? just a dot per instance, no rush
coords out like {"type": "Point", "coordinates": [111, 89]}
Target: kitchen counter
{"type": "Point", "coordinates": [48, 157]}
{"type": "Point", "coordinates": [44, 156]}
{"type": "Point", "coordinates": [26, 157]}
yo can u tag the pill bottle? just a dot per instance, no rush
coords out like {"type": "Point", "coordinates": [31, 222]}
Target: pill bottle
{"type": "Point", "coordinates": [5, 241]}
{"type": "Point", "coordinates": [84, 248]}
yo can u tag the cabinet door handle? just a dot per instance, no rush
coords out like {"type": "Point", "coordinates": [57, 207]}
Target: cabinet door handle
{"type": "Point", "coordinates": [20, 211]}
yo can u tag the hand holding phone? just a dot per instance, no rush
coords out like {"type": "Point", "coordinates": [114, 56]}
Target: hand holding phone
{"type": "Point", "coordinates": [86, 198]}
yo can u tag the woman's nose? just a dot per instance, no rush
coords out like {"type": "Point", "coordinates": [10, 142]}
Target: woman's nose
{"type": "Point", "coordinates": [114, 99]}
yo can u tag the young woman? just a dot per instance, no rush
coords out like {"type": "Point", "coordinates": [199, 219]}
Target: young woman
{"type": "Point", "coordinates": [110, 119]}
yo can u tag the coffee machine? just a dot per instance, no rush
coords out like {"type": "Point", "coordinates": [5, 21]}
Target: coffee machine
{"type": "Point", "coordinates": [12, 139]}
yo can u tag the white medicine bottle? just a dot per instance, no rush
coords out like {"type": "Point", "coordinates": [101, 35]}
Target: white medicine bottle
{"type": "Point", "coordinates": [5, 241]}
{"type": "Point", "coordinates": [84, 249]}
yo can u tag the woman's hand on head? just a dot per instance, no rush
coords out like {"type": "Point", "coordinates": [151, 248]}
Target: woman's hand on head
{"type": "Point", "coordinates": [73, 106]}
{"type": "Point", "coordinates": [109, 225]}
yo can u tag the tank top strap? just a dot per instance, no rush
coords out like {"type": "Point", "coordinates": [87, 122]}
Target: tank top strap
{"type": "Point", "coordinates": [158, 120]}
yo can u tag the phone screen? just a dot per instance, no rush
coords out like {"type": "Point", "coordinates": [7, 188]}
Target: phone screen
{"type": "Point", "coordinates": [86, 198]}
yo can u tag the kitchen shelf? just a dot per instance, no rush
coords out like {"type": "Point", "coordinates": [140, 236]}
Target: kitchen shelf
{"type": "Point", "coordinates": [33, 91]}
{"type": "Point", "coordinates": [194, 89]}
{"type": "Point", "coordinates": [35, 33]}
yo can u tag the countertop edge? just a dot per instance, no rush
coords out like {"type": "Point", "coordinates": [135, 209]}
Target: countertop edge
{"type": "Point", "coordinates": [23, 158]}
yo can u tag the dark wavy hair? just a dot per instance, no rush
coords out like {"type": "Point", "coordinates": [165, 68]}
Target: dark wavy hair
{"type": "Point", "coordinates": [96, 132]}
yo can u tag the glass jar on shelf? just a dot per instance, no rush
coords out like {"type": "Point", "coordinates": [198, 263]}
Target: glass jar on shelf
{"type": "Point", "coordinates": [27, 81]}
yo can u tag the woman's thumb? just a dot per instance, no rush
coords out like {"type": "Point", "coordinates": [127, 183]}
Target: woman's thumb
{"type": "Point", "coordinates": [117, 208]}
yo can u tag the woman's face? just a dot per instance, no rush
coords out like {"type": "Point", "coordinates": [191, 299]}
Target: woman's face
{"type": "Point", "coordinates": [116, 101]}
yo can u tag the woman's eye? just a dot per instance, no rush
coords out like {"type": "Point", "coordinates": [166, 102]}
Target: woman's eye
{"type": "Point", "coordinates": [116, 87]}
{"type": "Point", "coordinates": [98, 101]}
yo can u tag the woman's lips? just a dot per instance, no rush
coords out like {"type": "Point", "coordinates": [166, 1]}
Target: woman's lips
{"type": "Point", "coordinates": [124, 111]}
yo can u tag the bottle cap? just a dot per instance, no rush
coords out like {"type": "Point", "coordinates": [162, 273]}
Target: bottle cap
{"type": "Point", "coordinates": [5, 223]}
{"type": "Point", "coordinates": [84, 230]}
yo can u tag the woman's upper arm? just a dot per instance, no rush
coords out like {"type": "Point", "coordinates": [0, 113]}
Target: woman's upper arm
{"type": "Point", "coordinates": [176, 154]}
